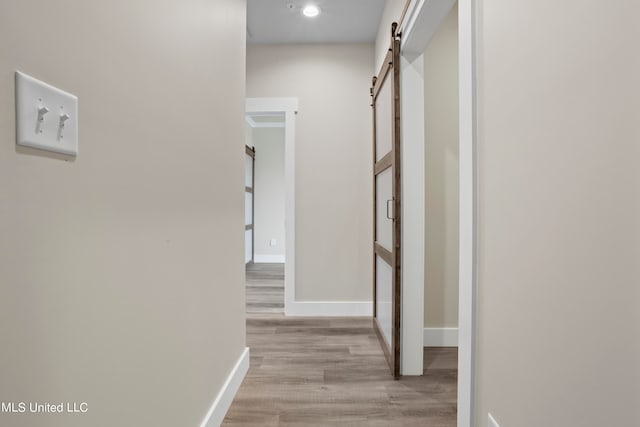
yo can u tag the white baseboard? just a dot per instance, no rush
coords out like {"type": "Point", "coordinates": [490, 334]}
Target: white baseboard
{"type": "Point", "coordinates": [221, 405]}
{"type": "Point", "coordinates": [329, 308]}
{"type": "Point", "coordinates": [268, 258]}
{"type": "Point", "coordinates": [440, 337]}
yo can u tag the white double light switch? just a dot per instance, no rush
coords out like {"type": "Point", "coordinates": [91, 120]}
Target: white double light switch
{"type": "Point", "coordinates": [46, 117]}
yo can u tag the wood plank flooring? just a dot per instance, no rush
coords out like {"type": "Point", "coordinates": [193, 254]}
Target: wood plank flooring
{"type": "Point", "coordinates": [313, 372]}
{"type": "Point", "coordinates": [265, 288]}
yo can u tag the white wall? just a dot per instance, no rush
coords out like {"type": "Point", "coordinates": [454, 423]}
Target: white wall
{"type": "Point", "coordinates": [558, 304]}
{"type": "Point", "coordinates": [248, 135]}
{"type": "Point", "coordinates": [333, 161]}
{"type": "Point", "coordinates": [392, 13]}
{"type": "Point", "coordinates": [121, 272]}
{"type": "Point", "coordinates": [269, 195]}
{"type": "Point", "coordinates": [441, 176]}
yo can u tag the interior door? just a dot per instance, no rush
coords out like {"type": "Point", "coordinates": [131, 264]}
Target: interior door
{"type": "Point", "coordinates": [385, 94]}
{"type": "Point", "coordinates": [249, 198]}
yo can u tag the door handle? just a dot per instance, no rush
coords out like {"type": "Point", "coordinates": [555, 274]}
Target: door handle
{"type": "Point", "coordinates": [388, 216]}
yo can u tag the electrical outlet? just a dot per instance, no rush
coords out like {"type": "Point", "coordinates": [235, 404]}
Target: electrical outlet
{"type": "Point", "coordinates": [492, 422]}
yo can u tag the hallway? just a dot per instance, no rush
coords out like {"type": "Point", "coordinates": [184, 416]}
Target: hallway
{"type": "Point", "coordinates": [331, 371]}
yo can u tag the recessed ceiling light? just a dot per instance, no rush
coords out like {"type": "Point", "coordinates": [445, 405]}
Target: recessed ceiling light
{"type": "Point", "coordinates": [311, 11]}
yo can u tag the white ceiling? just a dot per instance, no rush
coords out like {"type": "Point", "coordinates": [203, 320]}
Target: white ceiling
{"type": "Point", "coordinates": [340, 21]}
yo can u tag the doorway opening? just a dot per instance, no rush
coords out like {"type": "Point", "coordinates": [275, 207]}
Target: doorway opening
{"type": "Point", "coordinates": [270, 134]}
{"type": "Point", "coordinates": [265, 213]}
{"type": "Point", "coordinates": [422, 123]}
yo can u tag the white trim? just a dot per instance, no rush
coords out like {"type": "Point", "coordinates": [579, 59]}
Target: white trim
{"type": "Point", "coordinates": [413, 211]}
{"type": "Point", "coordinates": [330, 308]}
{"type": "Point", "coordinates": [417, 28]}
{"type": "Point", "coordinates": [288, 106]}
{"type": "Point", "coordinates": [267, 114]}
{"type": "Point", "coordinates": [422, 21]}
{"type": "Point", "coordinates": [268, 125]}
{"type": "Point", "coordinates": [249, 119]}
{"type": "Point", "coordinates": [440, 337]}
{"type": "Point", "coordinates": [268, 259]}
{"type": "Point", "coordinates": [468, 233]}
{"type": "Point", "coordinates": [221, 405]}
{"type": "Point", "coordinates": [290, 208]}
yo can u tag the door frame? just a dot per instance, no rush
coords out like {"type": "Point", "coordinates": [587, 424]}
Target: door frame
{"type": "Point", "coordinates": [389, 73]}
{"type": "Point", "coordinates": [251, 151]}
{"type": "Point", "coordinates": [289, 107]}
{"type": "Point", "coordinates": [420, 22]}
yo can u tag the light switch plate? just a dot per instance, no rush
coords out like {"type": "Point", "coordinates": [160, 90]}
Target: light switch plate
{"type": "Point", "coordinates": [46, 117]}
{"type": "Point", "coordinates": [492, 422]}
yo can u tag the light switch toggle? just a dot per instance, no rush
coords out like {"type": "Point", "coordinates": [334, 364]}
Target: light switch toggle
{"type": "Point", "coordinates": [41, 112]}
{"type": "Point", "coordinates": [63, 118]}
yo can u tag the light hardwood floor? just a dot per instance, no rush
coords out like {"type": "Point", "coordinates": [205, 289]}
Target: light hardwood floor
{"type": "Point", "coordinates": [265, 288]}
{"type": "Point", "coordinates": [308, 372]}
